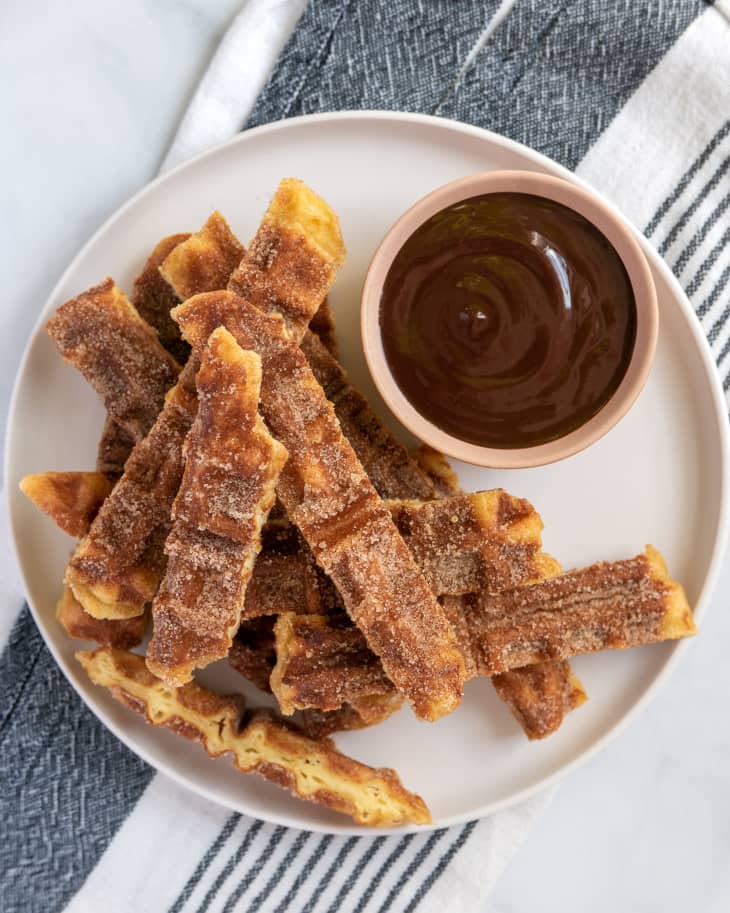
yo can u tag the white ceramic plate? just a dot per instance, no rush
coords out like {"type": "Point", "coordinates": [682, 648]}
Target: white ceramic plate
{"type": "Point", "coordinates": [659, 477]}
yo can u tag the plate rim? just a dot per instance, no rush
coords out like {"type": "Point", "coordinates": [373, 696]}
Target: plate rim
{"type": "Point", "coordinates": [719, 413]}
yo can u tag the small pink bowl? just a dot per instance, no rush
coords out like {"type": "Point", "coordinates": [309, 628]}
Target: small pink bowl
{"type": "Point", "coordinates": [613, 227]}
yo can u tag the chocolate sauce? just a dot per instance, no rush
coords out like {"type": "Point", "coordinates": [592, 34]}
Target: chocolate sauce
{"type": "Point", "coordinates": [508, 320]}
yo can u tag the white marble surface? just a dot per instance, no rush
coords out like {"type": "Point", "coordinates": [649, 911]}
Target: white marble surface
{"type": "Point", "coordinates": [91, 96]}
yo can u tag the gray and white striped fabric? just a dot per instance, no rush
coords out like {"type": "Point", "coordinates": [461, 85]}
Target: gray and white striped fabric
{"type": "Point", "coordinates": [636, 98]}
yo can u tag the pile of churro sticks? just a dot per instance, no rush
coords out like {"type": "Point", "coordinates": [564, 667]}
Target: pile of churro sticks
{"type": "Point", "coordinates": [248, 506]}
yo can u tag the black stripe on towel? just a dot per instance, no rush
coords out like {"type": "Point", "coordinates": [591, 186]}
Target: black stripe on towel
{"type": "Point", "coordinates": [440, 866]}
{"type": "Point", "coordinates": [67, 782]}
{"type": "Point", "coordinates": [205, 862]}
{"type": "Point", "coordinates": [306, 870]}
{"type": "Point", "coordinates": [253, 872]}
{"type": "Point", "coordinates": [684, 182]}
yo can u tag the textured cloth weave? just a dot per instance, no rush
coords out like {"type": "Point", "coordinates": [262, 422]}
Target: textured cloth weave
{"type": "Point", "coordinates": [634, 97]}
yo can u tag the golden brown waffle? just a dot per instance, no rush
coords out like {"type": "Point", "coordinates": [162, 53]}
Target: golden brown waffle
{"type": "Point", "coordinates": [123, 633]}
{"type": "Point", "coordinates": [252, 652]}
{"type": "Point", "coordinates": [320, 723]}
{"type": "Point", "coordinates": [286, 577]}
{"type": "Point", "coordinates": [607, 606]}
{"type": "Point", "coordinates": [228, 487]}
{"type": "Point", "coordinates": [438, 469]}
{"type": "Point", "coordinates": [71, 499]}
{"type": "Point", "coordinates": [154, 298]}
{"type": "Point", "coordinates": [117, 568]}
{"type": "Point", "coordinates": [327, 493]}
{"type": "Point", "coordinates": [115, 445]}
{"type": "Point", "coordinates": [483, 542]}
{"type": "Point", "coordinates": [324, 662]}
{"type": "Point", "coordinates": [310, 769]}
{"type": "Point", "coordinates": [103, 336]}
{"type": "Point", "coordinates": [323, 326]}
{"type": "Point", "coordinates": [202, 262]}
{"type": "Point", "coordinates": [540, 696]}
{"type": "Point", "coordinates": [386, 461]}
{"type": "Point", "coordinates": [292, 261]}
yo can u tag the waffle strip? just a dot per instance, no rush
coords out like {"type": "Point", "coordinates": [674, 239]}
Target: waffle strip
{"type": "Point", "coordinates": [309, 649]}
{"type": "Point", "coordinates": [310, 769]}
{"type": "Point", "coordinates": [123, 633]}
{"type": "Point", "coordinates": [154, 298]}
{"type": "Point", "coordinates": [103, 336]}
{"type": "Point", "coordinates": [327, 493]}
{"type": "Point", "coordinates": [228, 487]}
{"type": "Point", "coordinates": [117, 567]}
{"type": "Point", "coordinates": [540, 695]}
{"type": "Point", "coordinates": [201, 262]}
{"type": "Point", "coordinates": [607, 606]}
{"type": "Point", "coordinates": [71, 499]}
{"type": "Point", "coordinates": [387, 462]}
{"type": "Point", "coordinates": [487, 541]}
{"type": "Point", "coordinates": [115, 445]}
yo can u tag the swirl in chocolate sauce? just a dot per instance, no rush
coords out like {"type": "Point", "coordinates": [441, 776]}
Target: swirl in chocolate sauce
{"type": "Point", "coordinates": [508, 320]}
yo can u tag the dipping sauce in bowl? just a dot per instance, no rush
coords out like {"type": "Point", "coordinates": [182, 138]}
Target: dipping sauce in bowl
{"type": "Point", "coordinates": [508, 319]}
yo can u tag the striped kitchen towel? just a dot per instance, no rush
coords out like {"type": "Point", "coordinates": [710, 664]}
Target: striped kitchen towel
{"type": "Point", "coordinates": [635, 98]}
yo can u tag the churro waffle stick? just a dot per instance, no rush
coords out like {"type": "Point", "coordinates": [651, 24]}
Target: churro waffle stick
{"type": "Point", "coordinates": [387, 462]}
{"type": "Point", "coordinates": [124, 633]}
{"type": "Point", "coordinates": [607, 606]}
{"type": "Point", "coordinates": [312, 770]}
{"type": "Point", "coordinates": [323, 326]}
{"type": "Point", "coordinates": [540, 695]}
{"type": "Point", "coordinates": [487, 541]}
{"type": "Point", "coordinates": [71, 499]}
{"type": "Point", "coordinates": [117, 566]}
{"type": "Point", "coordinates": [324, 662]}
{"type": "Point", "coordinates": [103, 336]}
{"type": "Point", "coordinates": [228, 486]}
{"type": "Point", "coordinates": [202, 262]}
{"type": "Point", "coordinates": [115, 445]}
{"type": "Point", "coordinates": [116, 569]}
{"type": "Point", "coordinates": [253, 655]}
{"type": "Point", "coordinates": [328, 495]}
{"type": "Point", "coordinates": [154, 298]}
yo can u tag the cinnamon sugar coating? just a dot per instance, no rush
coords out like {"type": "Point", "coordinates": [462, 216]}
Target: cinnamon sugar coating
{"type": "Point", "coordinates": [228, 487]}
{"type": "Point", "coordinates": [607, 606]}
{"type": "Point", "coordinates": [311, 770]}
{"type": "Point", "coordinates": [154, 298]}
{"type": "Point", "coordinates": [71, 499]}
{"type": "Point", "coordinates": [286, 577]}
{"type": "Point", "coordinates": [203, 262]}
{"type": "Point", "coordinates": [252, 652]}
{"type": "Point", "coordinates": [386, 461]}
{"type": "Point", "coordinates": [487, 541]}
{"type": "Point", "coordinates": [116, 568]}
{"type": "Point", "coordinates": [103, 336]}
{"type": "Point", "coordinates": [115, 445]}
{"type": "Point", "coordinates": [123, 633]}
{"type": "Point", "coordinates": [437, 469]}
{"type": "Point", "coordinates": [328, 495]}
{"type": "Point", "coordinates": [540, 696]}
{"type": "Point", "coordinates": [293, 258]}
{"type": "Point", "coordinates": [323, 326]}
{"type": "Point", "coordinates": [324, 662]}
{"type": "Point", "coordinates": [120, 563]}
